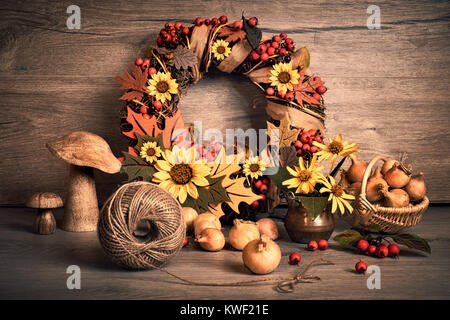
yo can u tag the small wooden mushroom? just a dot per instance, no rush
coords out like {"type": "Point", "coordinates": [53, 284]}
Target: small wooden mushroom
{"type": "Point", "coordinates": [44, 223]}
{"type": "Point", "coordinates": [83, 151]}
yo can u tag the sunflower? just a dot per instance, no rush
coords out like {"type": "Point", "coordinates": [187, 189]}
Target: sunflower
{"type": "Point", "coordinates": [305, 177]}
{"type": "Point", "coordinates": [253, 167]}
{"type": "Point", "coordinates": [180, 174]}
{"type": "Point", "coordinates": [283, 76]}
{"type": "Point", "coordinates": [337, 195]}
{"type": "Point", "coordinates": [336, 148]}
{"type": "Point", "coordinates": [161, 85]}
{"type": "Point", "coordinates": [220, 49]}
{"type": "Point", "coordinates": [150, 152]}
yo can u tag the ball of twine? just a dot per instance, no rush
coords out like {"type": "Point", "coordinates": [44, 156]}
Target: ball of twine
{"type": "Point", "coordinates": [129, 206]}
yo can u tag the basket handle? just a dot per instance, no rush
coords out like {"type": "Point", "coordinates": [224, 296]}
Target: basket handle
{"type": "Point", "coordinates": [367, 174]}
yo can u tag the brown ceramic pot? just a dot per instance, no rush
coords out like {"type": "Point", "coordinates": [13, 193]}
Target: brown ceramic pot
{"type": "Point", "coordinates": [302, 228]}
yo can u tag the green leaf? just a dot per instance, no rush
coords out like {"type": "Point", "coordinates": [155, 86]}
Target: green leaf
{"type": "Point", "coordinates": [136, 167]}
{"type": "Point", "coordinates": [254, 34]}
{"type": "Point", "coordinates": [279, 177]}
{"type": "Point", "coordinates": [217, 191]}
{"type": "Point", "coordinates": [412, 241]}
{"type": "Point", "coordinates": [314, 205]}
{"type": "Point", "coordinates": [348, 238]}
{"type": "Point", "coordinates": [192, 203]}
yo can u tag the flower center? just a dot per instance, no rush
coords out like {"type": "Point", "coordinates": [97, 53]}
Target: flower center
{"type": "Point", "coordinates": [181, 173]}
{"type": "Point", "coordinates": [337, 191]}
{"type": "Point", "coordinates": [284, 77]}
{"type": "Point", "coordinates": [162, 86]}
{"type": "Point", "coordinates": [254, 167]}
{"type": "Point", "coordinates": [304, 175]}
{"type": "Point", "coordinates": [220, 50]}
{"type": "Point", "coordinates": [151, 152]}
{"type": "Point", "coordinates": [335, 147]}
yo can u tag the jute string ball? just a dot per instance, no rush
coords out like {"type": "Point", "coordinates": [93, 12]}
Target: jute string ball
{"type": "Point", "coordinates": [129, 206]}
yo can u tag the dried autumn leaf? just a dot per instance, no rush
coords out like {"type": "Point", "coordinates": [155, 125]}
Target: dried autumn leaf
{"type": "Point", "coordinates": [134, 83]}
{"type": "Point", "coordinates": [231, 34]}
{"type": "Point", "coordinates": [286, 136]}
{"type": "Point", "coordinates": [183, 58]}
{"type": "Point", "coordinates": [288, 156]}
{"type": "Point", "coordinates": [304, 89]}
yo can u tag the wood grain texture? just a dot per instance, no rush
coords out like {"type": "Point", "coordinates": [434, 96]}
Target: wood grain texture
{"type": "Point", "coordinates": [34, 267]}
{"type": "Point", "coordinates": [388, 88]}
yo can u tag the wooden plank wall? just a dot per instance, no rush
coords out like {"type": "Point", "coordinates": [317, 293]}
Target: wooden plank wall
{"type": "Point", "coordinates": [388, 88]}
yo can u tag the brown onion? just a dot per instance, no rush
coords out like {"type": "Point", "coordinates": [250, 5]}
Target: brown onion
{"type": "Point", "coordinates": [211, 239]}
{"type": "Point", "coordinates": [375, 184]}
{"type": "Point", "coordinates": [398, 176]}
{"type": "Point", "coordinates": [396, 198]}
{"type": "Point", "coordinates": [268, 227]}
{"type": "Point", "coordinates": [242, 233]}
{"type": "Point", "coordinates": [206, 220]}
{"type": "Point", "coordinates": [261, 256]}
{"type": "Point", "coordinates": [416, 187]}
{"type": "Point", "coordinates": [387, 165]}
{"type": "Point", "coordinates": [189, 215]}
{"type": "Point", "coordinates": [356, 171]}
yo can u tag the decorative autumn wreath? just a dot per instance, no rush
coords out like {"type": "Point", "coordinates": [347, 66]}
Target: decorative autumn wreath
{"type": "Point", "coordinates": [153, 122]}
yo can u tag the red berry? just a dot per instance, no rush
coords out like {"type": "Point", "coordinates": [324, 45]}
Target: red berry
{"type": "Point", "coordinates": [185, 242]}
{"type": "Point", "coordinates": [304, 138]}
{"type": "Point", "coordinates": [394, 250]}
{"type": "Point", "coordinates": [312, 245]}
{"type": "Point", "coordinates": [289, 41]}
{"type": "Point", "coordinates": [282, 51]}
{"type": "Point", "coordinates": [151, 71]}
{"type": "Point", "coordinates": [382, 251]}
{"type": "Point", "coordinates": [362, 245]}
{"type": "Point", "coordinates": [270, 91]}
{"type": "Point", "coordinates": [139, 61]}
{"type": "Point", "coordinates": [145, 64]}
{"type": "Point", "coordinates": [283, 35]}
{"type": "Point", "coordinates": [361, 267]}
{"type": "Point", "coordinates": [254, 55]}
{"type": "Point", "coordinates": [143, 109]}
{"type": "Point", "coordinates": [175, 39]}
{"type": "Point", "coordinates": [185, 30]}
{"type": "Point", "coordinates": [207, 22]}
{"type": "Point", "coordinates": [317, 78]}
{"type": "Point", "coordinates": [298, 144]}
{"type": "Point", "coordinates": [295, 258]}
{"type": "Point", "coordinates": [289, 96]}
{"type": "Point", "coordinates": [264, 56]}
{"type": "Point", "coordinates": [321, 89]}
{"type": "Point", "coordinates": [223, 19]}
{"type": "Point", "coordinates": [290, 47]}
{"type": "Point", "coordinates": [159, 41]}
{"type": "Point", "coordinates": [275, 44]}
{"type": "Point", "coordinates": [323, 244]}
{"type": "Point", "coordinates": [299, 152]}
{"type": "Point", "coordinates": [314, 149]}
{"type": "Point", "coordinates": [238, 25]}
{"type": "Point", "coordinates": [261, 49]}
{"type": "Point", "coordinates": [214, 21]}
{"type": "Point", "coordinates": [318, 139]}
{"type": "Point", "coordinates": [271, 51]}
{"type": "Point", "coordinates": [316, 96]}
{"type": "Point", "coordinates": [264, 188]}
{"type": "Point", "coordinates": [252, 22]}
{"type": "Point", "coordinates": [178, 25]}
{"type": "Point", "coordinates": [312, 132]}
{"type": "Point", "coordinates": [266, 181]}
{"type": "Point", "coordinates": [263, 197]}
{"type": "Point", "coordinates": [276, 38]}
{"type": "Point", "coordinates": [146, 116]}
{"type": "Point", "coordinates": [371, 250]}
{"type": "Point", "coordinates": [255, 204]}
{"type": "Point", "coordinates": [306, 147]}
{"type": "Point", "coordinates": [198, 21]}
{"type": "Point", "coordinates": [167, 37]}
{"type": "Point", "coordinates": [281, 94]}
{"type": "Point", "coordinates": [169, 25]}
{"type": "Point", "coordinates": [157, 104]}
{"type": "Point", "coordinates": [258, 184]}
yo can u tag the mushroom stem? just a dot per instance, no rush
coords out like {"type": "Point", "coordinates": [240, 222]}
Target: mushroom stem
{"type": "Point", "coordinates": [81, 210]}
{"type": "Point", "coordinates": [44, 223]}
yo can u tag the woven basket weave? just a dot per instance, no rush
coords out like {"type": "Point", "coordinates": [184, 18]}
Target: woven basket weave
{"type": "Point", "coordinates": [390, 220]}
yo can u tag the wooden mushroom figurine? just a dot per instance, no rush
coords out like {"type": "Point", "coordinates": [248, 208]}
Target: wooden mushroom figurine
{"type": "Point", "coordinates": [44, 223]}
{"type": "Point", "coordinates": [83, 151]}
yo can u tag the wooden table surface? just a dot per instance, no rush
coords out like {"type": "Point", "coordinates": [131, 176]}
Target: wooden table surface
{"type": "Point", "coordinates": [34, 267]}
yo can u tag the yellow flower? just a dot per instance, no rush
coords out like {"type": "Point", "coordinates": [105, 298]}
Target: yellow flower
{"type": "Point", "coordinates": [283, 77]}
{"type": "Point", "coordinates": [337, 195]}
{"type": "Point", "coordinates": [305, 177]}
{"type": "Point", "coordinates": [220, 49]}
{"type": "Point", "coordinates": [253, 167]}
{"type": "Point", "coordinates": [180, 174]}
{"type": "Point", "coordinates": [336, 148]}
{"type": "Point", "coordinates": [161, 85]}
{"type": "Point", "coordinates": [150, 151]}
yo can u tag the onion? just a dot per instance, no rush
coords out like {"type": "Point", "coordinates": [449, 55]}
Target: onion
{"type": "Point", "coordinates": [268, 227]}
{"type": "Point", "coordinates": [416, 187]}
{"type": "Point", "coordinates": [261, 256]}
{"type": "Point", "coordinates": [354, 189]}
{"type": "Point", "coordinates": [356, 171]}
{"type": "Point", "coordinates": [396, 198]}
{"type": "Point", "coordinates": [398, 176]}
{"type": "Point", "coordinates": [211, 239]}
{"type": "Point", "coordinates": [206, 220]}
{"type": "Point", "coordinates": [189, 215]}
{"type": "Point", "coordinates": [387, 165]}
{"type": "Point", "coordinates": [375, 184]}
{"type": "Point", "coordinates": [242, 233]}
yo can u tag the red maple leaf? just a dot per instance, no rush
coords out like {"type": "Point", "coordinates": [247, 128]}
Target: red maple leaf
{"type": "Point", "coordinates": [305, 88]}
{"type": "Point", "coordinates": [231, 34]}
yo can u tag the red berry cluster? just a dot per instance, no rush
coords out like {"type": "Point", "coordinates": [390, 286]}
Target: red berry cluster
{"type": "Point", "coordinates": [171, 35]}
{"type": "Point", "coordinates": [380, 251]}
{"type": "Point", "coordinates": [314, 245]}
{"type": "Point", "coordinates": [278, 45]}
{"type": "Point", "coordinates": [289, 96]}
{"type": "Point", "coordinates": [214, 21]}
{"type": "Point", "coordinates": [145, 64]}
{"type": "Point", "coordinates": [261, 187]}
{"type": "Point", "coordinates": [305, 139]}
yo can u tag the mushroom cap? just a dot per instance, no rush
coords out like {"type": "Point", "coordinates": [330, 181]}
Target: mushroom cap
{"type": "Point", "coordinates": [44, 200]}
{"type": "Point", "coordinates": [85, 149]}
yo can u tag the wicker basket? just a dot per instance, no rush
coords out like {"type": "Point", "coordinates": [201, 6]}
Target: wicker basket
{"type": "Point", "coordinates": [390, 220]}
